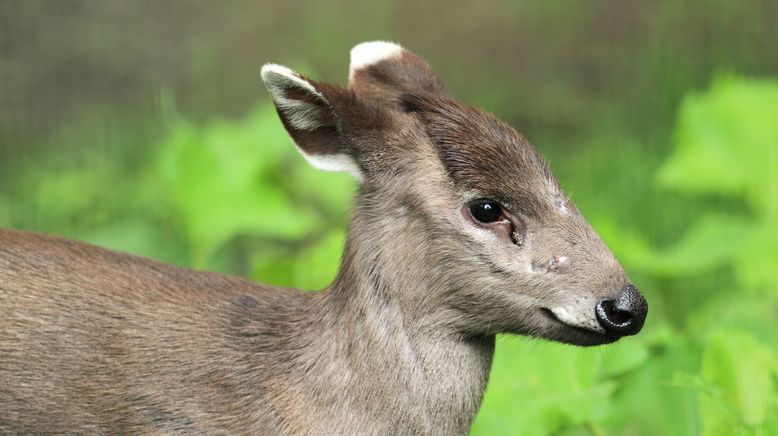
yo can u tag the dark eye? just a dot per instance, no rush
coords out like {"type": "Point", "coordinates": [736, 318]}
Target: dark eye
{"type": "Point", "coordinates": [486, 212]}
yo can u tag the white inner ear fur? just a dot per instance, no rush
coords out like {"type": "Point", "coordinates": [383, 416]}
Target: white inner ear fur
{"type": "Point", "coordinates": [305, 116]}
{"type": "Point", "coordinates": [368, 53]}
{"type": "Point", "coordinates": [333, 162]}
{"type": "Point", "coordinates": [300, 114]}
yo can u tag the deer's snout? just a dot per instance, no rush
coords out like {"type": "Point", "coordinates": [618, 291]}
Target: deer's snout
{"type": "Point", "coordinates": [624, 316]}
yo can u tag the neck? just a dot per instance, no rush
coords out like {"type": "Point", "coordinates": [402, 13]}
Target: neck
{"type": "Point", "coordinates": [394, 356]}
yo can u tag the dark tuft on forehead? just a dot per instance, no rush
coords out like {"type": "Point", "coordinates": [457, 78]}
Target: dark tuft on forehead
{"type": "Point", "coordinates": [485, 155]}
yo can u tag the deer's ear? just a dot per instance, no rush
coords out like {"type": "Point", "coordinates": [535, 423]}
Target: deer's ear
{"type": "Point", "coordinates": [385, 71]}
{"type": "Point", "coordinates": [307, 110]}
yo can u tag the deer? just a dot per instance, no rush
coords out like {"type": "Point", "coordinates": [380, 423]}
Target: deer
{"type": "Point", "coordinates": [459, 232]}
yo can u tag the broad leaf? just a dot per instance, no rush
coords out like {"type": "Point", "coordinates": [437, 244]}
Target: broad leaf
{"type": "Point", "coordinates": [739, 370]}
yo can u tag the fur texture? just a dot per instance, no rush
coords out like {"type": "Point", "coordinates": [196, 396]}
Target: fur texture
{"type": "Point", "coordinates": [98, 342]}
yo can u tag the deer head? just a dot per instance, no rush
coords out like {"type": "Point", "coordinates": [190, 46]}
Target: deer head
{"type": "Point", "coordinates": [458, 217]}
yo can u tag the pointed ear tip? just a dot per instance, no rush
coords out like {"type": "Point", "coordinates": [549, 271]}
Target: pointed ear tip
{"type": "Point", "coordinates": [371, 52]}
{"type": "Point", "coordinates": [271, 71]}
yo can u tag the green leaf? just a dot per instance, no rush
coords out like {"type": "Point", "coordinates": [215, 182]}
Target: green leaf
{"type": "Point", "coordinates": [538, 388]}
{"type": "Point", "coordinates": [739, 370]}
{"type": "Point", "coordinates": [222, 179]}
{"type": "Point", "coordinates": [313, 268]}
{"type": "Point", "coordinates": [275, 268]}
{"type": "Point", "coordinates": [755, 265]}
{"type": "Point", "coordinates": [732, 309]}
{"type": "Point", "coordinates": [136, 236]}
{"type": "Point", "coordinates": [652, 399]}
{"type": "Point", "coordinates": [727, 143]}
{"type": "Point", "coordinates": [711, 242]}
{"type": "Point", "coordinates": [317, 266]}
{"type": "Point", "coordinates": [623, 357]}
{"type": "Point", "coordinates": [333, 191]}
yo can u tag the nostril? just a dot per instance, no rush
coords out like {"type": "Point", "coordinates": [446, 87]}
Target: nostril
{"type": "Point", "coordinates": [614, 315]}
{"type": "Point", "coordinates": [612, 319]}
{"type": "Point", "coordinates": [624, 316]}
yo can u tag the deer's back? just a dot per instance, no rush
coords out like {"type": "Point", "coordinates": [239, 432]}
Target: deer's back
{"type": "Point", "coordinates": [94, 340]}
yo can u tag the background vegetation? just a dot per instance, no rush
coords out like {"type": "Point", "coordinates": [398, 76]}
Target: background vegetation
{"type": "Point", "coordinates": [143, 126]}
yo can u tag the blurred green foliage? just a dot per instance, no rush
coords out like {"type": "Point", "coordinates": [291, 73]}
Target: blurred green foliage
{"type": "Point", "coordinates": [675, 167]}
{"type": "Point", "coordinates": [715, 373]}
{"type": "Point", "coordinates": [220, 189]}
{"type": "Point", "coordinates": [224, 185]}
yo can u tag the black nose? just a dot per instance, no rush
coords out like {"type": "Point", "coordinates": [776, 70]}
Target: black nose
{"type": "Point", "coordinates": [625, 316]}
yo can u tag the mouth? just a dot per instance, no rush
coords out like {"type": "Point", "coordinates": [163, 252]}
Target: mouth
{"type": "Point", "coordinates": [557, 330]}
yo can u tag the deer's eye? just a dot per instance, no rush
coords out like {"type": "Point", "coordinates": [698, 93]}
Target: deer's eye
{"type": "Point", "coordinates": [486, 212]}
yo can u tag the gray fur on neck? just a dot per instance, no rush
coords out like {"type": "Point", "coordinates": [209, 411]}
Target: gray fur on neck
{"type": "Point", "coordinates": [385, 366]}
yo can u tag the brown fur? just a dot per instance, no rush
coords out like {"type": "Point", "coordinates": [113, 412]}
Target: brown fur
{"type": "Point", "coordinates": [98, 342]}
